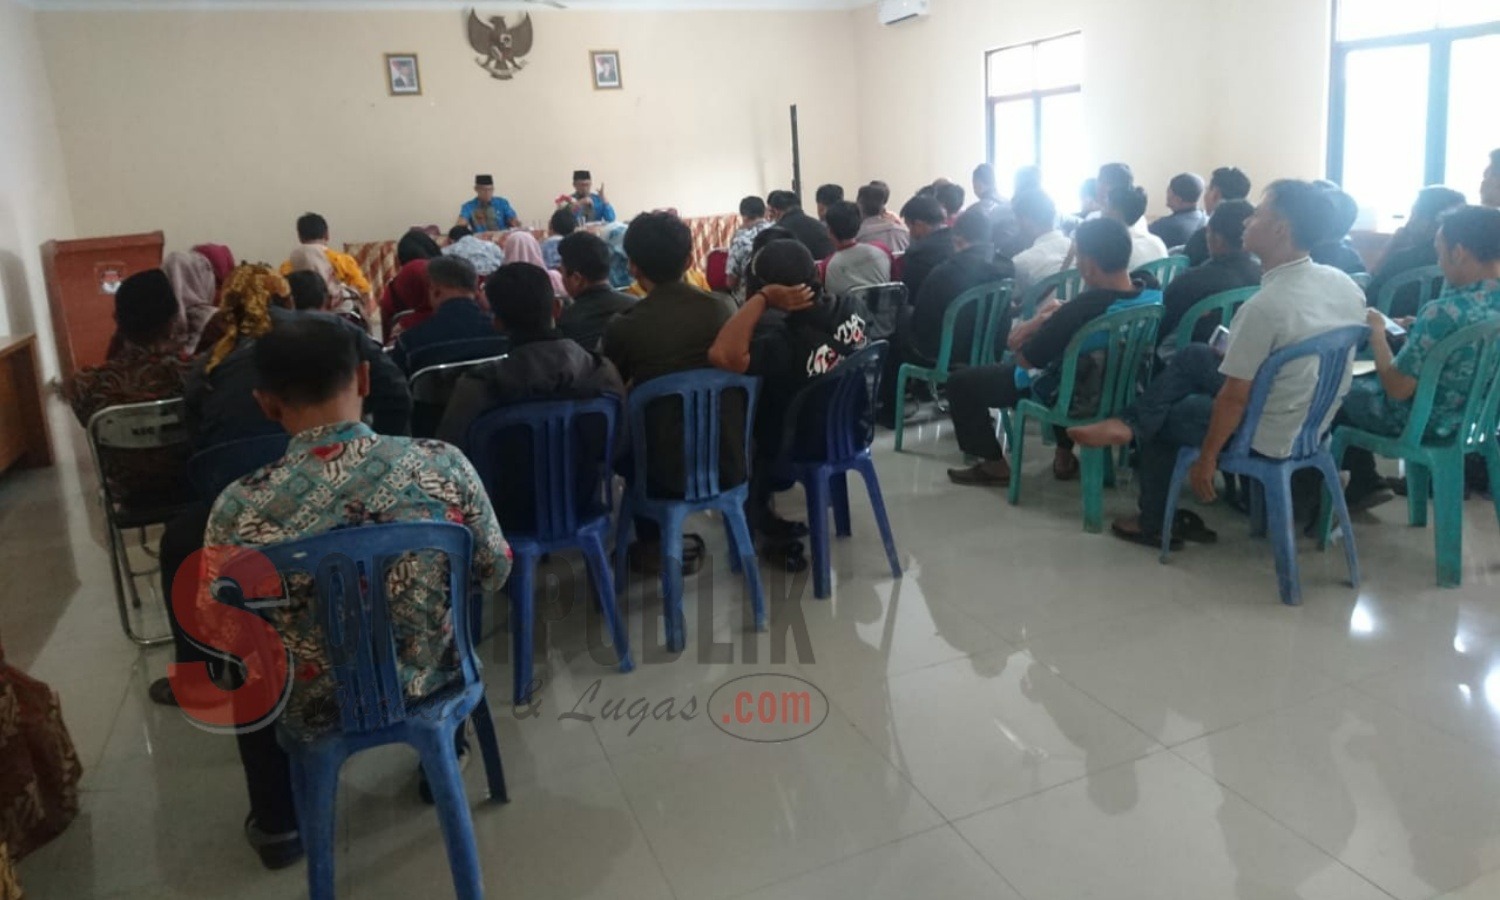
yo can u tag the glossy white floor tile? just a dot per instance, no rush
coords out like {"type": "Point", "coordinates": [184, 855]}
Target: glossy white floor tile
{"type": "Point", "coordinates": [1032, 712]}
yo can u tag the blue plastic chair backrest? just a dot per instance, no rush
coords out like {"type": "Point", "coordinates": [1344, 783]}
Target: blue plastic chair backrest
{"type": "Point", "coordinates": [1167, 268]}
{"type": "Point", "coordinates": [699, 394]}
{"type": "Point", "coordinates": [1429, 282]}
{"type": "Point", "coordinates": [1126, 337]}
{"type": "Point", "coordinates": [215, 468]}
{"type": "Point", "coordinates": [989, 306]}
{"type": "Point", "coordinates": [1067, 284]}
{"type": "Point", "coordinates": [1480, 347]}
{"type": "Point", "coordinates": [350, 605]}
{"type": "Point", "coordinates": [1226, 303]}
{"type": "Point", "coordinates": [551, 427]}
{"type": "Point", "coordinates": [848, 425]}
{"type": "Point", "coordinates": [1334, 350]}
{"type": "Point", "coordinates": [879, 305]}
{"type": "Point", "coordinates": [482, 347]}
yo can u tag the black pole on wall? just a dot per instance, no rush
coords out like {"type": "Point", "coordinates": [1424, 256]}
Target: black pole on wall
{"type": "Point", "coordinates": [796, 158]}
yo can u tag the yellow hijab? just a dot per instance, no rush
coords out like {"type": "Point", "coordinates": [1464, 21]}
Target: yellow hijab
{"type": "Point", "coordinates": [245, 303]}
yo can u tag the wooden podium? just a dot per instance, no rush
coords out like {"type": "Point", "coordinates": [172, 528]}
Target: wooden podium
{"type": "Point", "coordinates": [82, 277]}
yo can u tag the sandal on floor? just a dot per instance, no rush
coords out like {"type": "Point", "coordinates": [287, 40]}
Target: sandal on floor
{"type": "Point", "coordinates": [1190, 526]}
{"type": "Point", "coordinates": [1145, 539]}
{"type": "Point", "coordinates": [161, 693]}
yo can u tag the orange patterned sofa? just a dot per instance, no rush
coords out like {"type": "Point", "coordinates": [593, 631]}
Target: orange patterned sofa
{"type": "Point", "coordinates": [378, 258]}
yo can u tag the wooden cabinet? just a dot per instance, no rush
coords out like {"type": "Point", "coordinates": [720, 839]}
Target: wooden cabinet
{"type": "Point", "coordinates": [82, 277]}
{"type": "Point", "coordinates": [23, 424]}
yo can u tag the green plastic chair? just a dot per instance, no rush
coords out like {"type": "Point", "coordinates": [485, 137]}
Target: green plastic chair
{"type": "Point", "coordinates": [1429, 281]}
{"type": "Point", "coordinates": [1435, 465]}
{"type": "Point", "coordinates": [1129, 336]}
{"type": "Point", "coordinates": [1167, 269]}
{"type": "Point", "coordinates": [1067, 284]}
{"type": "Point", "coordinates": [989, 304]}
{"type": "Point", "coordinates": [1226, 303]}
{"type": "Point", "coordinates": [1362, 279]}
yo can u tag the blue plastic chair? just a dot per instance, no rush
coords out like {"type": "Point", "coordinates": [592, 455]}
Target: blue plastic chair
{"type": "Point", "coordinates": [988, 307]}
{"type": "Point", "coordinates": [563, 519]}
{"type": "Point", "coordinates": [847, 395]}
{"type": "Point", "coordinates": [699, 394]}
{"type": "Point", "coordinates": [348, 566]}
{"type": "Point", "coordinates": [214, 468]}
{"type": "Point", "coordinates": [1271, 505]}
{"type": "Point", "coordinates": [1428, 281]}
{"type": "Point", "coordinates": [1166, 269]}
{"type": "Point", "coordinates": [1435, 463]}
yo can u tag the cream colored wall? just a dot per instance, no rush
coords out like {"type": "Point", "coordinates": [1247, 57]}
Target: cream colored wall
{"type": "Point", "coordinates": [225, 126]}
{"type": "Point", "coordinates": [1245, 85]}
{"type": "Point", "coordinates": [33, 188]}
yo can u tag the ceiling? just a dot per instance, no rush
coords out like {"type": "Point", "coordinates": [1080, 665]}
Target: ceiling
{"type": "Point", "coordinates": [658, 5]}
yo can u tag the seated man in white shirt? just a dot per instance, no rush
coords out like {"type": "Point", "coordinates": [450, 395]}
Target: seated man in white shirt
{"type": "Point", "coordinates": [1046, 247]}
{"type": "Point", "coordinates": [1199, 400]}
{"type": "Point", "coordinates": [852, 265]}
{"type": "Point", "coordinates": [1128, 205]}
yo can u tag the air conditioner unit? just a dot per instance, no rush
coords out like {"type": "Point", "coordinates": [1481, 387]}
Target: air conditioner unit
{"type": "Point", "coordinates": [893, 11]}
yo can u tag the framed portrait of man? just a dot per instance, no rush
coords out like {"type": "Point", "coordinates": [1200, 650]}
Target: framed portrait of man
{"type": "Point", "coordinates": [606, 68]}
{"type": "Point", "coordinates": [402, 75]}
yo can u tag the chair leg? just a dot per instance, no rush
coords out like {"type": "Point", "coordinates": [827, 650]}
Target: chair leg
{"type": "Point", "coordinates": [604, 590]}
{"type": "Point", "coordinates": [1491, 453]}
{"type": "Point", "coordinates": [815, 485]}
{"type": "Point", "coordinates": [734, 551]}
{"type": "Point", "coordinates": [838, 491]}
{"type": "Point", "coordinates": [1333, 492]}
{"type": "Point", "coordinates": [671, 580]}
{"type": "Point", "coordinates": [1448, 521]}
{"type": "Point", "coordinates": [1282, 530]}
{"type": "Point", "coordinates": [1093, 461]}
{"type": "Point", "coordinates": [1017, 453]}
{"type": "Point", "coordinates": [1418, 490]}
{"type": "Point", "coordinates": [901, 375]}
{"type": "Point", "coordinates": [1174, 491]}
{"type": "Point", "coordinates": [440, 762]}
{"type": "Point", "coordinates": [125, 585]}
{"type": "Point", "coordinates": [315, 773]}
{"type": "Point", "coordinates": [522, 623]}
{"type": "Point", "coordinates": [882, 521]}
{"type": "Point", "coordinates": [1330, 488]}
{"type": "Point", "coordinates": [737, 520]}
{"type": "Point", "coordinates": [489, 750]}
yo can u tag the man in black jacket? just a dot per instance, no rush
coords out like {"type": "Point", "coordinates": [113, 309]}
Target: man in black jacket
{"type": "Point", "coordinates": [585, 273]}
{"type": "Point", "coordinates": [1183, 193]}
{"type": "Point", "coordinates": [1230, 266]}
{"type": "Point", "coordinates": [1103, 258]}
{"type": "Point", "coordinates": [972, 264]}
{"type": "Point", "coordinates": [786, 211]}
{"type": "Point", "coordinates": [1226, 183]}
{"type": "Point", "coordinates": [931, 241]}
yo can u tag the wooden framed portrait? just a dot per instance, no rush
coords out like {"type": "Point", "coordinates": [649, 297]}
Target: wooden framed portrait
{"type": "Point", "coordinates": [606, 68]}
{"type": "Point", "coordinates": [402, 76]}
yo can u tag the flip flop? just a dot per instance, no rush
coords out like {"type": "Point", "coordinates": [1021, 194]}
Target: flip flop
{"type": "Point", "coordinates": [1190, 527]}
{"type": "Point", "coordinates": [1144, 539]}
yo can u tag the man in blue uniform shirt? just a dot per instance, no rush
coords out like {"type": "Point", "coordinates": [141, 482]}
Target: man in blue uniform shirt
{"type": "Point", "coordinates": [486, 212]}
{"type": "Point", "coordinates": [585, 203]}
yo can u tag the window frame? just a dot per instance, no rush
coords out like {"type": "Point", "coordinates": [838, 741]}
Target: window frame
{"type": "Point", "coordinates": [1439, 42]}
{"type": "Point", "coordinates": [1034, 96]}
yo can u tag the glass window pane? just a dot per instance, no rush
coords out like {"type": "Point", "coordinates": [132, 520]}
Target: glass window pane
{"type": "Point", "coordinates": [1064, 166]}
{"type": "Point", "coordinates": [1473, 72]}
{"type": "Point", "coordinates": [1015, 138]}
{"type": "Point", "coordinates": [1012, 71]}
{"type": "Point", "coordinates": [1378, 18]}
{"type": "Point", "coordinates": [1059, 62]}
{"type": "Point", "coordinates": [1385, 127]}
{"type": "Point", "coordinates": [1457, 13]}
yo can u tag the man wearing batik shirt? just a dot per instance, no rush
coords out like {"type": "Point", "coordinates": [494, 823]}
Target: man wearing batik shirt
{"type": "Point", "coordinates": [1468, 249]}
{"type": "Point", "coordinates": [752, 222]}
{"type": "Point", "coordinates": [149, 365]}
{"type": "Point", "coordinates": [337, 473]}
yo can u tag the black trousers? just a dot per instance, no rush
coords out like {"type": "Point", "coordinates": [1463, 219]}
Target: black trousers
{"type": "Point", "coordinates": [972, 393]}
{"type": "Point", "coordinates": [1172, 413]}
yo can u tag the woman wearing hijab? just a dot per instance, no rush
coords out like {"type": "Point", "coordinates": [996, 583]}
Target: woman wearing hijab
{"type": "Point", "coordinates": [196, 286]}
{"type": "Point", "coordinates": [343, 299]}
{"type": "Point", "coordinates": [415, 245]}
{"type": "Point", "coordinates": [222, 260]}
{"type": "Point", "coordinates": [407, 292]}
{"type": "Point", "coordinates": [521, 246]}
{"type": "Point", "coordinates": [788, 332]}
{"type": "Point", "coordinates": [219, 401]}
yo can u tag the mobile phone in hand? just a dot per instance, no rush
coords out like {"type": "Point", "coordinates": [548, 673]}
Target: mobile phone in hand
{"type": "Point", "coordinates": [1219, 340]}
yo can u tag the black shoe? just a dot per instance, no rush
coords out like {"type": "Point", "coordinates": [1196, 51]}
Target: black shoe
{"type": "Point", "coordinates": [160, 692]}
{"type": "Point", "coordinates": [1359, 495]}
{"type": "Point", "coordinates": [777, 528]}
{"type": "Point", "coordinates": [977, 474]}
{"type": "Point", "coordinates": [277, 851]}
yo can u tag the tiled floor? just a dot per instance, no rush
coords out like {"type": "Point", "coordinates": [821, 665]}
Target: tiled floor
{"type": "Point", "coordinates": [1031, 712]}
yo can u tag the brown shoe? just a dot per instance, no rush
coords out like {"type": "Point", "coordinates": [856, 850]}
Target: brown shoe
{"type": "Point", "coordinates": [984, 474]}
{"type": "Point", "coordinates": [1064, 465]}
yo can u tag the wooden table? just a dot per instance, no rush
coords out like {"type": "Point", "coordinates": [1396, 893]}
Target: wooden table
{"type": "Point", "coordinates": [24, 439]}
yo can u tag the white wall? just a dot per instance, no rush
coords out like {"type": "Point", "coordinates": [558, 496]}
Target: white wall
{"type": "Point", "coordinates": [226, 125]}
{"type": "Point", "coordinates": [34, 204]}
